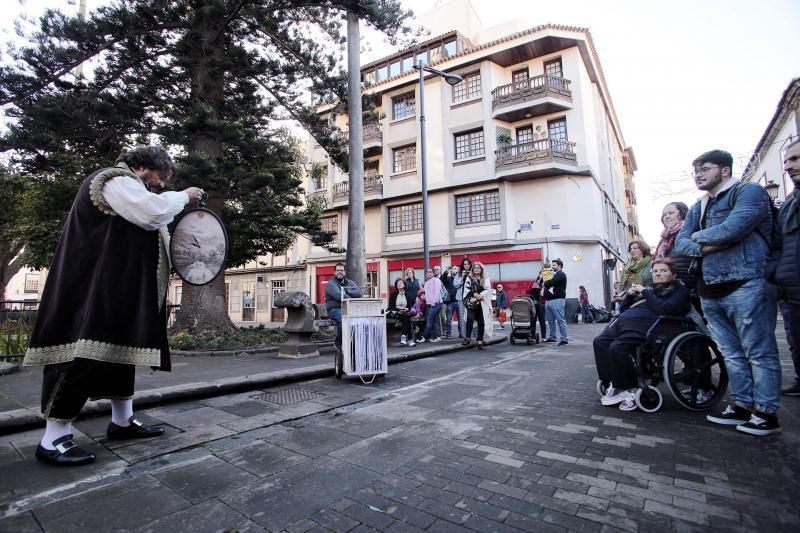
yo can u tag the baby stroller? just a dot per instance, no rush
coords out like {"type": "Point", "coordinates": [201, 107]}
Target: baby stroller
{"type": "Point", "coordinates": [523, 321]}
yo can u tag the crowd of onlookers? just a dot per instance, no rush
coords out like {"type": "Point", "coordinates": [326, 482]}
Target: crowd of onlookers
{"type": "Point", "coordinates": [726, 263]}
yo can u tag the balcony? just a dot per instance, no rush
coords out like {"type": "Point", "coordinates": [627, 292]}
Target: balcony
{"type": "Point", "coordinates": [373, 189]}
{"type": "Point", "coordinates": [372, 139]}
{"type": "Point", "coordinates": [536, 159]}
{"type": "Point", "coordinates": [533, 97]}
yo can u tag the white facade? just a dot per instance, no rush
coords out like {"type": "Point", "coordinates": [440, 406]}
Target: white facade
{"type": "Point", "coordinates": [766, 165]}
{"type": "Point", "coordinates": [542, 149]}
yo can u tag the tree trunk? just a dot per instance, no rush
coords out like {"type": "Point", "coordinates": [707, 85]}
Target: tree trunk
{"type": "Point", "coordinates": [204, 308]}
{"type": "Point", "coordinates": [356, 253]}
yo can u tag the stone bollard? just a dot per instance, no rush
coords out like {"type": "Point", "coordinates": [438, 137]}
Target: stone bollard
{"type": "Point", "coordinates": [299, 324]}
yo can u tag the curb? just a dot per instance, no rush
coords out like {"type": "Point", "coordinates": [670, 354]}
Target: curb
{"type": "Point", "coordinates": [8, 368]}
{"type": "Point", "coordinates": [22, 419]}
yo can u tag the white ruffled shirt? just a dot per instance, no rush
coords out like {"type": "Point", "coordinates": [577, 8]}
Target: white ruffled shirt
{"type": "Point", "coordinates": [131, 200]}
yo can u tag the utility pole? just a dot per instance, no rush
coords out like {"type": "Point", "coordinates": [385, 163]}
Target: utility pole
{"type": "Point", "coordinates": [356, 254]}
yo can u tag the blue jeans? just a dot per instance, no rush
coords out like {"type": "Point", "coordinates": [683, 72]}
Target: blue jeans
{"type": "Point", "coordinates": [791, 325]}
{"type": "Point", "coordinates": [450, 308]}
{"type": "Point", "coordinates": [462, 318]}
{"type": "Point", "coordinates": [335, 314]}
{"type": "Point", "coordinates": [554, 311]}
{"type": "Point", "coordinates": [743, 326]}
{"type": "Point", "coordinates": [432, 320]}
{"type": "Point", "coordinates": [587, 314]}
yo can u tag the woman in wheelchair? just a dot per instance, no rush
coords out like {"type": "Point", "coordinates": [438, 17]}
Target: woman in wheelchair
{"type": "Point", "coordinates": [615, 347]}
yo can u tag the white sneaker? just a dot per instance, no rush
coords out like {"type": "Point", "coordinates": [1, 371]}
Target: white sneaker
{"type": "Point", "coordinates": [437, 339]}
{"type": "Point", "coordinates": [421, 340]}
{"type": "Point", "coordinates": [613, 396]}
{"type": "Point", "coordinates": [412, 343]}
{"type": "Point", "coordinates": [403, 339]}
{"type": "Point", "coordinates": [629, 403]}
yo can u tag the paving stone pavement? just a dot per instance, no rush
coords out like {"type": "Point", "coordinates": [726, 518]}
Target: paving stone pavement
{"type": "Point", "coordinates": [509, 439]}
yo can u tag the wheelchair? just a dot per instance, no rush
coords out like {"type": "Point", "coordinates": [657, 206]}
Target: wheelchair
{"type": "Point", "coordinates": [684, 358]}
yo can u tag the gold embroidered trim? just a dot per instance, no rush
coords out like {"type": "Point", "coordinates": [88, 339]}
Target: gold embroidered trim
{"type": "Point", "coordinates": [53, 395]}
{"type": "Point", "coordinates": [162, 271]}
{"type": "Point", "coordinates": [60, 420]}
{"type": "Point", "coordinates": [96, 187]}
{"type": "Point", "coordinates": [89, 349]}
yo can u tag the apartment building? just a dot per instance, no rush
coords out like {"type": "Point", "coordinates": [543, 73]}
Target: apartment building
{"type": "Point", "coordinates": [766, 164]}
{"type": "Point", "coordinates": [526, 159]}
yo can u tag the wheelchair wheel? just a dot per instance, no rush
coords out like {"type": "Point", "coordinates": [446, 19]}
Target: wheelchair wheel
{"type": "Point", "coordinates": [649, 400]}
{"type": "Point", "coordinates": [694, 371]}
{"type": "Point", "coordinates": [601, 387]}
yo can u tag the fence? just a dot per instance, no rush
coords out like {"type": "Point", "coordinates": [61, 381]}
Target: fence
{"type": "Point", "coordinates": [16, 323]}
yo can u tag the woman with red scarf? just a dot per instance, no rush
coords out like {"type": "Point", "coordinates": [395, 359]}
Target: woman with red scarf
{"type": "Point", "coordinates": [672, 217]}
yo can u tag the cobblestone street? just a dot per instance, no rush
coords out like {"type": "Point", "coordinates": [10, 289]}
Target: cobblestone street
{"type": "Point", "coordinates": [510, 439]}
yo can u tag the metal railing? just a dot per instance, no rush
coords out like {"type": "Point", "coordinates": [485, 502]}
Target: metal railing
{"type": "Point", "coordinates": [544, 83]}
{"type": "Point", "coordinates": [16, 324]}
{"type": "Point", "coordinates": [373, 184]}
{"type": "Point", "coordinates": [538, 149]}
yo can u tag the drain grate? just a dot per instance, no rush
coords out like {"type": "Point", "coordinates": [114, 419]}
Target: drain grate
{"type": "Point", "coordinates": [289, 396]}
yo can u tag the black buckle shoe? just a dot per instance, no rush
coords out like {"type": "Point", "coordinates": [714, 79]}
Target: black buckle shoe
{"type": "Point", "coordinates": [136, 430]}
{"type": "Point", "coordinates": [65, 454]}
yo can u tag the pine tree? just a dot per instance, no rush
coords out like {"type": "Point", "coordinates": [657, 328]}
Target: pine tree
{"type": "Point", "coordinates": [207, 79]}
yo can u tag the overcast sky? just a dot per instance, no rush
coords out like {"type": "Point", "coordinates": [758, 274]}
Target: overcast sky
{"type": "Point", "coordinates": [685, 76]}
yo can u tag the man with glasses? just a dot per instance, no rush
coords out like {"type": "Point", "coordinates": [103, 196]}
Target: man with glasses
{"type": "Point", "coordinates": [728, 233]}
{"type": "Point", "coordinates": [338, 288]}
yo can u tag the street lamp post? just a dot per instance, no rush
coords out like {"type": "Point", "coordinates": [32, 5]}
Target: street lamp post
{"type": "Point", "coordinates": [452, 79]}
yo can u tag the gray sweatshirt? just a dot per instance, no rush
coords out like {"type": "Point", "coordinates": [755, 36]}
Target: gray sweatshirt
{"type": "Point", "coordinates": [333, 292]}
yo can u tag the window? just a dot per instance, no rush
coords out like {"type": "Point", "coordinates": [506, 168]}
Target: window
{"type": "Point", "coordinates": [394, 69]}
{"type": "Point", "coordinates": [383, 73]}
{"type": "Point", "coordinates": [403, 105]}
{"type": "Point", "coordinates": [553, 68]}
{"type": "Point", "coordinates": [408, 63]}
{"type": "Point", "coordinates": [405, 158]}
{"type": "Point", "coordinates": [31, 283]}
{"type": "Point", "coordinates": [557, 129]}
{"type": "Point", "coordinates": [469, 88]}
{"type": "Point", "coordinates": [320, 182]}
{"type": "Point", "coordinates": [405, 217]}
{"type": "Point", "coordinates": [469, 144]}
{"type": "Point", "coordinates": [478, 207]}
{"type": "Point", "coordinates": [422, 56]}
{"type": "Point", "coordinates": [178, 295]}
{"type": "Point", "coordinates": [369, 78]}
{"type": "Point", "coordinates": [525, 134]}
{"type": "Point", "coordinates": [330, 225]}
{"type": "Point", "coordinates": [450, 49]}
{"type": "Point", "coordinates": [520, 78]}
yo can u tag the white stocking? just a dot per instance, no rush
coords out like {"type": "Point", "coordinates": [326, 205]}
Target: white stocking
{"type": "Point", "coordinates": [54, 431]}
{"type": "Point", "coordinates": [121, 412]}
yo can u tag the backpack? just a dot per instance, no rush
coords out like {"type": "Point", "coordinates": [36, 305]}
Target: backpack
{"type": "Point", "coordinates": [775, 230]}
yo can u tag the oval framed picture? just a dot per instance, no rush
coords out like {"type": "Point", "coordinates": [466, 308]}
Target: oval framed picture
{"type": "Point", "coordinates": [198, 247]}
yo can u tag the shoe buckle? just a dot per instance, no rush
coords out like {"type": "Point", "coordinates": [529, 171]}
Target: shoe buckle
{"type": "Point", "coordinates": [65, 446]}
{"type": "Point", "coordinates": [135, 422]}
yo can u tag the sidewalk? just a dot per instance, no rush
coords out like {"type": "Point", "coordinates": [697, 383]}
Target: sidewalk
{"type": "Point", "coordinates": [201, 375]}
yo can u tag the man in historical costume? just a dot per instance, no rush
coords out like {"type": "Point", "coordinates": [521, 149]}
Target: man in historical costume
{"type": "Point", "coordinates": [103, 308]}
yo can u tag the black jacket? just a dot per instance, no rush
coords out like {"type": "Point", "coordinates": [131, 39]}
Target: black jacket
{"type": "Point", "coordinates": [393, 302]}
{"type": "Point", "coordinates": [784, 266]}
{"type": "Point", "coordinates": [412, 289]}
{"type": "Point", "coordinates": [672, 300]}
{"type": "Point", "coordinates": [447, 282]}
{"type": "Point", "coordinates": [556, 288]}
